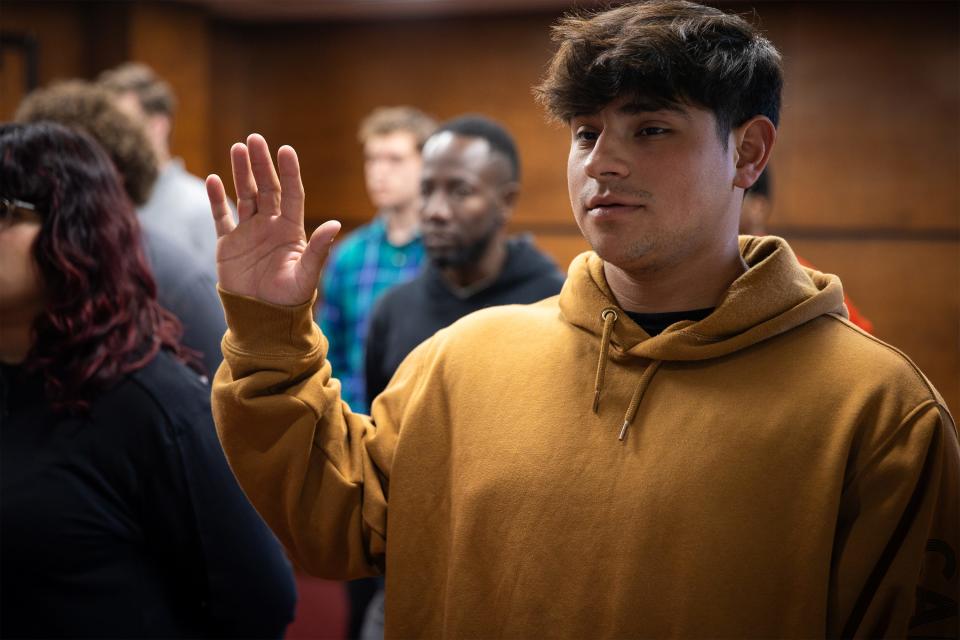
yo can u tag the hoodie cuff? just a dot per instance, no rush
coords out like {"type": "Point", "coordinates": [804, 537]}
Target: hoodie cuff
{"type": "Point", "coordinates": [268, 330]}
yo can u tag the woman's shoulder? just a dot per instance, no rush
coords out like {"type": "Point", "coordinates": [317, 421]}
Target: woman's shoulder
{"type": "Point", "coordinates": [164, 392]}
{"type": "Point", "coordinates": [166, 375]}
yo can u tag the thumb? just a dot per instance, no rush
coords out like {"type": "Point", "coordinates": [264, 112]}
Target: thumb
{"type": "Point", "coordinates": [318, 247]}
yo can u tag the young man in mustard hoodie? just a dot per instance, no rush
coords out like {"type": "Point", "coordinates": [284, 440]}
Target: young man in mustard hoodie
{"type": "Point", "coordinates": [691, 440]}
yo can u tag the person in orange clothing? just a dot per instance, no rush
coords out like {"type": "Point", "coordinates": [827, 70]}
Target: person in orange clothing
{"type": "Point", "coordinates": [690, 441]}
{"type": "Point", "coordinates": [757, 207]}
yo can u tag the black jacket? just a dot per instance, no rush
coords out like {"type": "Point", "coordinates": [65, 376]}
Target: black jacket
{"type": "Point", "coordinates": [410, 313]}
{"type": "Point", "coordinates": [128, 522]}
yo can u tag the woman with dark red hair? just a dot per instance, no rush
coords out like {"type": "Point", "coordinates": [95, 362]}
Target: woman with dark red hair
{"type": "Point", "coordinates": [119, 515]}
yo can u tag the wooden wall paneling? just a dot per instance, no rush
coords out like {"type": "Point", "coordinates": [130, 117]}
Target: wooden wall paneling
{"type": "Point", "coordinates": [232, 90]}
{"type": "Point", "coordinates": [281, 88]}
{"type": "Point", "coordinates": [13, 80]}
{"type": "Point", "coordinates": [562, 247]}
{"type": "Point", "coordinates": [60, 31]}
{"type": "Point", "coordinates": [174, 40]}
{"type": "Point", "coordinates": [871, 117]}
{"type": "Point", "coordinates": [107, 32]}
{"type": "Point", "coordinates": [316, 82]}
{"type": "Point", "coordinates": [485, 65]}
{"type": "Point", "coordinates": [911, 292]}
{"type": "Point", "coordinates": [80, 39]}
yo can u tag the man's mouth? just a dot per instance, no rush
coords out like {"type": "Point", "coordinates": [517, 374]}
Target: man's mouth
{"type": "Point", "coordinates": [609, 205]}
{"type": "Point", "coordinates": [438, 239]}
{"type": "Point", "coordinates": [604, 210]}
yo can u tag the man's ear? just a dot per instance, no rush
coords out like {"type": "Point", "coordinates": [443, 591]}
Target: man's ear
{"type": "Point", "coordinates": [509, 193]}
{"type": "Point", "coordinates": [159, 128]}
{"type": "Point", "coordinates": [753, 142]}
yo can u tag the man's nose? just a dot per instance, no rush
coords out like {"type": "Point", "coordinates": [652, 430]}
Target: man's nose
{"type": "Point", "coordinates": [607, 159]}
{"type": "Point", "coordinates": [377, 168]}
{"type": "Point", "coordinates": [436, 206]}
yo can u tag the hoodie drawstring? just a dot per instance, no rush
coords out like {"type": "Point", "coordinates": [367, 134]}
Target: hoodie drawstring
{"type": "Point", "coordinates": [609, 317]}
{"type": "Point", "coordinates": [637, 397]}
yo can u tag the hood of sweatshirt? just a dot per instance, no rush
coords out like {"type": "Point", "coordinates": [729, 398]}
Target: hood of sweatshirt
{"type": "Point", "coordinates": [774, 295]}
{"type": "Point", "coordinates": [524, 262]}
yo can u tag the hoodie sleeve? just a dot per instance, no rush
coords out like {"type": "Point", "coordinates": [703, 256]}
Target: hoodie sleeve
{"type": "Point", "coordinates": [315, 471]}
{"type": "Point", "coordinates": [894, 572]}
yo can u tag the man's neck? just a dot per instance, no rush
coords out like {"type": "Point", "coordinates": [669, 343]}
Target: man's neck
{"type": "Point", "coordinates": [164, 157]}
{"type": "Point", "coordinates": [486, 269]}
{"type": "Point", "coordinates": [402, 223]}
{"type": "Point", "coordinates": [698, 283]}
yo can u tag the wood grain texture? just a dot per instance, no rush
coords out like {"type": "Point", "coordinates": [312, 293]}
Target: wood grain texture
{"type": "Point", "coordinates": [870, 134]}
{"type": "Point", "coordinates": [174, 40]}
{"type": "Point", "coordinates": [310, 85]}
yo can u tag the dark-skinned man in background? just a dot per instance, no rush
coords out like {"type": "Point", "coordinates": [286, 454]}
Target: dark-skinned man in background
{"type": "Point", "coordinates": [470, 182]}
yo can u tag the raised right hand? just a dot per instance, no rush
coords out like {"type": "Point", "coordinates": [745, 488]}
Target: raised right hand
{"type": "Point", "coordinates": [266, 255]}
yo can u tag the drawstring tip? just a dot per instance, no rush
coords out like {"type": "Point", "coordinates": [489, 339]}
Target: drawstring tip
{"type": "Point", "coordinates": [596, 400]}
{"type": "Point", "coordinates": [623, 430]}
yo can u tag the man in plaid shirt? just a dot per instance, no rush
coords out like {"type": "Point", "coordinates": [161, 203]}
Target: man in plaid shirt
{"type": "Point", "coordinates": [378, 255]}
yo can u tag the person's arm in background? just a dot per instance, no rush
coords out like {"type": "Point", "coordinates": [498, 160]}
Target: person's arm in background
{"type": "Point", "coordinates": [189, 291]}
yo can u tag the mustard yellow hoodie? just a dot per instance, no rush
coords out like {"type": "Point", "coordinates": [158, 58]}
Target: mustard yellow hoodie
{"type": "Point", "coordinates": [780, 473]}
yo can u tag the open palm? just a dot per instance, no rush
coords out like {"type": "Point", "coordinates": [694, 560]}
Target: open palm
{"type": "Point", "coordinates": [266, 254]}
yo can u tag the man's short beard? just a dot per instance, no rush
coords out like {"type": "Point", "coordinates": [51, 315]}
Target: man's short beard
{"type": "Point", "coordinates": [467, 255]}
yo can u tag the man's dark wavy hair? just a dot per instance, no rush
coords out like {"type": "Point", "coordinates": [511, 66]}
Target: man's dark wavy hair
{"type": "Point", "coordinates": [663, 53]}
{"type": "Point", "coordinates": [102, 319]}
{"type": "Point", "coordinates": [83, 105]}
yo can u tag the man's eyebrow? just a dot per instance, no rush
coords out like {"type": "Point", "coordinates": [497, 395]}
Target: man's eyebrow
{"type": "Point", "coordinates": [634, 107]}
{"type": "Point", "coordinates": [456, 181]}
{"type": "Point", "coordinates": [639, 106]}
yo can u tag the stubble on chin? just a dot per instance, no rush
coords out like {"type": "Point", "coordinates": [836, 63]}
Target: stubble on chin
{"type": "Point", "coordinates": [634, 254]}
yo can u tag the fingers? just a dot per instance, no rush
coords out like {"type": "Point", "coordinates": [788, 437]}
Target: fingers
{"type": "Point", "coordinates": [259, 188]}
{"type": "Point", "coordinates": [317, 250]}
{"type": "Point", "coordinates": [265, 175]}
{"type": "Point", "coordinates": [243, 181]}
{"type": "Point", "coordinates": [222, 217]}
{"type": "Point", "coordinates": [291, 206]}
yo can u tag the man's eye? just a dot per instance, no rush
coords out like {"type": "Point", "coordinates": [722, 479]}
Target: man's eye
{"type": "Point", "coordinates": [585, 135]}
{"type": "Point", "coordinates": [651, 131]}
